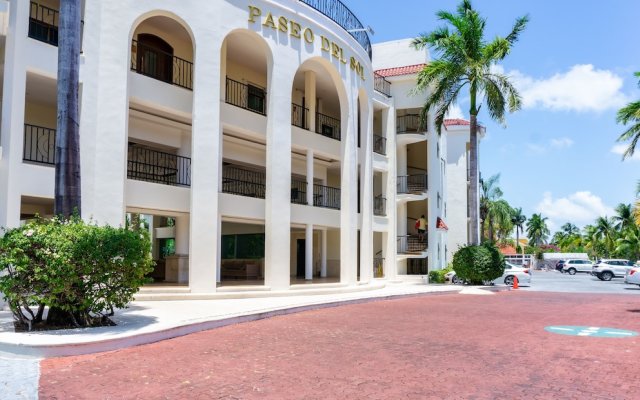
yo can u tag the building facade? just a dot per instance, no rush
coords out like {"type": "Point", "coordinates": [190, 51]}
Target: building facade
{"type": "Point", "coordinates": [252, 138]}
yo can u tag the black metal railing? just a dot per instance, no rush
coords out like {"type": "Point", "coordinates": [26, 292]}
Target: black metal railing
{"type": "Point", "coordinates": [381, 84]}
{"type": "Point", "coordinates": [161, 65]}
{"type": "Point", "coordinates": [409, 123]}
{"type": "Point", "coordinates": [412, 244]}
{"type": "Point", "coordinates": [412, 183]}
{"type": "Point", "coordinates": [341, 15]}
{"type": "Point", "coordinates": [328, 126]}
{"type": "Point", "coordinates": [43, 23]}
{"type": "Point", "coordinates": [145, 164]}
{"type": "Point", "coordinates": [325, 196]}
{"type": "Point", "coordinates": [298, 191]}
{"type": "Point", "coordinates": [417, 266]}
{"type": "Point", "coordinates": [380, 144]}
{"type": "Point", "coordinates": [380, 206]}
{"type": "Point", "coordinates": [39, 144]}
{"type": "Point", "coordinates": [378, 267]}
{"type": "Point", "coordinates": [243, 182]}
{"type": "Point", "coordinates": [249, 97]}
{"type": "Point", "coordinates": [299, 116]}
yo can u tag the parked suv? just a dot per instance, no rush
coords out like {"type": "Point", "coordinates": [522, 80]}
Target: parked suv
{"type": "Point", "coordinates": [608, 268]}
{"type": "Point", "coordinates": [573, 266]}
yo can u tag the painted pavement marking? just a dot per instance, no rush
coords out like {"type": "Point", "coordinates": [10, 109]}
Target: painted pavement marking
{"type": "Point", "coordinates": [590, 331]}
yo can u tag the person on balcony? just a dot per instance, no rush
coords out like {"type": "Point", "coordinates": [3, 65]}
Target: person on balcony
{"type": "Point", "coordinates": [422, 228]}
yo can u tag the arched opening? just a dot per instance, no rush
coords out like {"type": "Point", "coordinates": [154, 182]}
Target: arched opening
{"type": "Point", "coordinates": [154, 57]}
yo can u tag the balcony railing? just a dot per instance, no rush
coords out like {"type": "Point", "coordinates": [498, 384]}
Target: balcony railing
{"type": "Point", "coordinates": [243, 182]}
{"type": "Point", "coordinates": [144, 164]}
{"type": "Point", "coordinates": [299, 116]}
{"type": "Point", "coordinates": [161, 65]}
{"type": "Point", "coordinates": [341, 15]}
{"type": "Point", "coordinates": [328, 126]}
{"type": "Point", "coordinates": [412, 183]}
{"type": "Point", "coordinates": [298, 192]}
{"type": "Point", "coordinates": [409, 123]}
{"type": "Point", "coordinates": [417, 266]}
{"type": "Point", "coordinates": [378, 267]}
{"type": "Point", "coordinates": [381, 84]}
{"type": "Point", "coordinates": [380, 206]}
{"type": "Point", "coordinates": [39, 145]}
{"type": "Point", "coordinates": [411, 244]}
{"type": "Point", "coordinates": [43, 24]}
{"type": "Point", "coordinates": [249, 97]}
{"type": "Point", "coordinates": [380, 144]}
{"type": "Point", "coordinates": [325, 196]}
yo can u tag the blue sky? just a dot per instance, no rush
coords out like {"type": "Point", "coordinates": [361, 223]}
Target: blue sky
{"type": "Point", "coordinates": [573, 66]}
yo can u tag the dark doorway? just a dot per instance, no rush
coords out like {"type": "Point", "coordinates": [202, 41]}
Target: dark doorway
{"type": "Point", "coordinates": [301, 258]}
{"type": "Point", "coordinates": [154, 58]}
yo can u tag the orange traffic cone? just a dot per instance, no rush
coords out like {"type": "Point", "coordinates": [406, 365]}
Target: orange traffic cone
{"type": "Point", "coordinates": [515, 282]}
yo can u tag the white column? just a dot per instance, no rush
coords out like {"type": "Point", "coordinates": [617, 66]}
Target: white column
{"type": "Point", "coordinates": [349, 191]}
{"type": "Point", "coordinates": [205, 162]}
{"type": "Point", "coordinates": [323, 255]}
{"type": "Point", "coordinates": [366, 168]}
{"type": "Point", "coordinates": [182, 235]}
{"type": "Point", "coordinates": [13, 99]}
{"type": "Point", "coordinates": [391, 264]}
{"type": "Point", "coordinates": [310, 98]}
{"type": "Point", "coordinates": [308, 253]}
{"type": "Point", "coordinates": [434, 190]}
{"type": "Point", "coordinates": [310, 177]}
{"type": "Point", "coordinates": [278, 184]}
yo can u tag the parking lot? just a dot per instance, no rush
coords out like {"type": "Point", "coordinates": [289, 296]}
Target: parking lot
{"type": "Point", "coordinates": [554, 281]}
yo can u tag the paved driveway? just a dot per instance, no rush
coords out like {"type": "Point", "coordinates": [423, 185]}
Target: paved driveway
{"type": "Point", "coordinates": [431, 347]}
{"type": "Point", "coordinates": [554, 281]}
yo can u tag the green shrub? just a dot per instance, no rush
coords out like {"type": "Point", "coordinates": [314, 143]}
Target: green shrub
{"type": "Point", "coordinates": [477, 264]}
{"type": "Point", "coordinates": [437, 276]}
{"type": "Point", "coordinates": [80, 271]}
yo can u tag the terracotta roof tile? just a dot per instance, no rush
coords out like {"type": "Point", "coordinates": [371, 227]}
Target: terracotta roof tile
{"type": "Point", "coordinates": [457, 121]}
{"type": "Point", "coordinates": [397, 71]}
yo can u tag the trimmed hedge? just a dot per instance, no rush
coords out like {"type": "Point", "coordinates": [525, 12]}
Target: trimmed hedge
{"type": "Point", "coordinates": [477, 264]}
{"type": "Point", "coordinates": [437, 276]}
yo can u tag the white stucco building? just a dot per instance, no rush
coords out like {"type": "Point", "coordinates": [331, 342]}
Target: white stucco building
{"type": "Point", "coordinates": [252, 137]}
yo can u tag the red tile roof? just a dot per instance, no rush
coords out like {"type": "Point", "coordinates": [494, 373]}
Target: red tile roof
{"type": "Point", "coordinates": [508, 250]}
{"type": "Point", "coordinates": [397, 71]}
{"type": "Point", "coordinates": [457, 121]}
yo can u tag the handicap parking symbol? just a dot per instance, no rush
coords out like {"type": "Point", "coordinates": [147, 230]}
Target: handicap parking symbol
{"type": "Point", "coordinates": [590, 331]}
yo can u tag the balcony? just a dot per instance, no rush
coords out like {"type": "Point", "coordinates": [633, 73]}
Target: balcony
{"type": "Point", "coordinates": [149, 165]}
{"type": "Point", "coordinates": [326, 196]}
{"type": "Point", "coordinates": [325, 125]}
{"type": "Point", "coordinates": [341, 15]}
{"type": "Point", "coordinates": [161, 65]}
{"type": "Point", "coordinates": [411, 244]}
{"type": "Point", "coordinates": [380, 206]}
{"type": "Point", "coordinates": [298, 191]}
{"type": "Point", "coordinates": [412, 184]}
{"type": "Point", "coordinates": [39, 145]}
{"type": "Point", "coordinates": [380, 145]}
{"type": "Point", "coordinates": [243, 182]}
{"type": "Point", "coordinates": [299, 116]}
{"type": "Point", "coordinates": [43, 24]}
{"type": "Point", "coordinates": [381, 84]}
{"type": "Point", "coordinates": [409, 124]}
{"type": "Point", "coordinates": [246, 96]}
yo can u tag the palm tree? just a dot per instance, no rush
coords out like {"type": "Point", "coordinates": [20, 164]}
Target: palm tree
{"type": "Point", "coordinates": [629, 244]}
{"type": "Point", "coordinates": [518, 219]}
{"type": "Point", "coordinates": [605, 233]}
{"type": "Point", "coordinates": [465, 58]}
{"type": "Point", "coordinates": [67, 155]}
{"type": "Point", "coordinates": [489, 192]}
{"type": "Point", "coordinates": [570, 229]}
{"type": "Point", "coordinates": [630, 114]}
{"type": "Point", "coordinates": [537, 229]}
{"type": "Point", "coordinates": [624, 217]}
{"type": "Point", "coordinates": [499, 218]}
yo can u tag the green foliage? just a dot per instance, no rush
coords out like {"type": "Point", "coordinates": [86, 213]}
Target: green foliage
{"type": "Point", "coordinates": [478, 263]}
{"type": "Point", "coordinates": [437, 276]}
{"type": "Point", "coordinates": [80, 270]}
{"type": "Point", "coordinates": [630, 115]}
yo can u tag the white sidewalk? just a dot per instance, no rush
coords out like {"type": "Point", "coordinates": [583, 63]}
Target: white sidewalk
{"type": "Point", "coordinates": [151, 321]}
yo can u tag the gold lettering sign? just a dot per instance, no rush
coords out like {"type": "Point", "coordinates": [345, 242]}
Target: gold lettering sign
{"type": "Point", "coordinates": [295, 30]}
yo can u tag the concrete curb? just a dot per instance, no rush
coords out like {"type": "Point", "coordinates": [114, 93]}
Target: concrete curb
{"type": "Point", "coordinates": [63, 350]}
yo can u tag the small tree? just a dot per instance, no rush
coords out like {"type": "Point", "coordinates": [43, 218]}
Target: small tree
{"type": "Point", "coordinates": [80, 271]}
{"type": "Point", "coordinates": [478, 263]}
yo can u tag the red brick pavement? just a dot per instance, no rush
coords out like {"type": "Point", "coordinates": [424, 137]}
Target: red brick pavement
{"type": "Point", "coordinates": [431, 347]}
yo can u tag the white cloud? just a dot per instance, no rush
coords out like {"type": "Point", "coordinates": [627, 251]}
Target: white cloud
{"type": "Point", "coordinates": [455, 112]}
{"type": "Point", "coordinates": [621, 148]}
{"type": "Point", "coordinates": [536, 148]}
{"type": "Point", "coordinates": [561, 143]}
{"type": "Point", "coordinates": [579, 208]}
{"type": "Point", "coordinates": [582, 88]}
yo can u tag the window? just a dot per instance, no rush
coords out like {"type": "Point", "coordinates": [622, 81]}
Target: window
{"type": "Point", "coordinates": [255, 101]}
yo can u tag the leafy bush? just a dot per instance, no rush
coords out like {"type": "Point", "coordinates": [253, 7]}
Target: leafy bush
{"type": "Point", "coordinates": [437, 276]}
{"type": "Point", "coordinates": [80, 271]}
{"type": "Point", "coordinates": [480, 263]}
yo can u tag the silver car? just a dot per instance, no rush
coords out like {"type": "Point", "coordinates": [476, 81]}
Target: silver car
{"type": "Point", "coordinates": [572, 266]}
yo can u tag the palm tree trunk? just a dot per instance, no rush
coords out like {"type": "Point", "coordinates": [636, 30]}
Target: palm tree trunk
{"type": "Point", "coordinates": [67, 157]}
{"type": "Point", "coordinates": [517, 238]}
{"type": "Point", "coordinates": [473, 176]}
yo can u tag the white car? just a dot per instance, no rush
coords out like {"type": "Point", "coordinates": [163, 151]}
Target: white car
{"type": "Point", "coordinates": [611, 268]}
{"type": "Point", "coordinates": [572, 266]}
{"type": "Point", "coordinates": [510, 271]}
{"type": "Point", "coordinates": [633, 276]}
